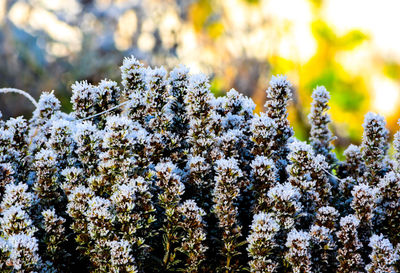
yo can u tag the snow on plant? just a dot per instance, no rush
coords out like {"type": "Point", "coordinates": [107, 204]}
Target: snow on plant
{"type": "Point", "coordinates": [171, 187]}
{"type": "Point", "coordinates": [156, 174]}
{"type": "Point", "coordinates": [16, 220]}
{"type": "Point", "coordinates": [5, 141]}
{"type": "Point", "coordinates": [15, 130]}
{"type": "Point", "coordinates": [264, 175]}
{"type": "Point", "coordinates": [6, 177]}
{"type": "Point", "coordinates": [23, 254]}
{"type": "Point", "coordinates": [322, 236]}
{"type": "Point", "coordinates": [88, 139]}
{"type": "Point", "coordinates": [263, 131]}
{"type": "Point", "coordinates": [349, 257]}
{"type": "Point", "coordinates": [48, 105]}
{"type": "Point", "coordinates": [388, 192]}
{"type": "Point", "coordinates": [285, 204]}
{"type": "Point", "coordinates": [278, 95]}
{"type": "Point", "coordinates": [383, 255]}
{"type": "Point", "coordinates": [307, 174]}
{"type": "Point", "coordinates": [46, 186]}
{"type": "Point", "coordinates": [54, 228]}
{"type": "Point", "coordinates": [396, 147]}
{"type": "Point", "coordinates": [262, 242]}
{"type": "Point", "coordinates": [226, 193]}
{"type": "Point", "coordinates": [16, 195]}
{"type": "Point", "coordinates": [121, 257]}
{"type": "Point", "coordinates": [177, 115]}
{"type": "Point", "coordinates": [374, 147]}
{"type": "Point", "coordinates": [192, 243]}
{"type": "Point", "coordinates": [320, 135]}
{"type": "Point", "coordinates": [364, 206]}
{"type": "Point", "coordinates": [83, 99]}
{"type": "Point", "coordinates": [354, 164]}
{"type": "Point", "coordinates": [299, 255]}
{"type": "Point", "coordinates": [364, 203]}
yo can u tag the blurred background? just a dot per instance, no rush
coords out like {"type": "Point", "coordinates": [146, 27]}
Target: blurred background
{"type": "Point", "coordinates": [352, 47]}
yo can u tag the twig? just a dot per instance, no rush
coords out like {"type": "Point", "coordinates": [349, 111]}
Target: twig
{"type": "Point", "coordinates": [34, 102]}
{"type": "Point", "coordinates": [21, 92]}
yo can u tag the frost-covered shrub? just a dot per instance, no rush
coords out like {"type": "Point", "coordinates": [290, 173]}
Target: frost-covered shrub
{"type": "Point", "coordinates": [159, 175]}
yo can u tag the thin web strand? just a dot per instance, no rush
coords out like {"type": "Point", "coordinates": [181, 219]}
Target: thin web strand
{"type": "Point", "coordinates": [105, 111]}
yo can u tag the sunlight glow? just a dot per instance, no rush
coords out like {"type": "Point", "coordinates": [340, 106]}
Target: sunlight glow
{"type": "Point", "coordinates": [127, 26]}
{"type": "Point", "coordinates": [380, 19]}
{"type": "Point", "coordinates": [386, 95]}
{"type": "Point", "coordinates": [19, 13]}
{"type": "Point", "coordinates": [299, 43]}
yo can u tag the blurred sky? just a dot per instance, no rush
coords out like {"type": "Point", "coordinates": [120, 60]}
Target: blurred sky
{"type": "Point", "coordinates": [350, 46]}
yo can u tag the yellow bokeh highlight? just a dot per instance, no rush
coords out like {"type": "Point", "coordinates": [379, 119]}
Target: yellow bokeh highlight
{"type": "Point", "coordinates": [127, 26]}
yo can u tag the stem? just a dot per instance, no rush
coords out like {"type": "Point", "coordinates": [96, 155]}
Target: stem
{"type": "Point", "coordinates": [228, 263]}
{"type": "Point", "coordinates": [166, 257]}
{"type": "Point", "coordinates": [21, 92]}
